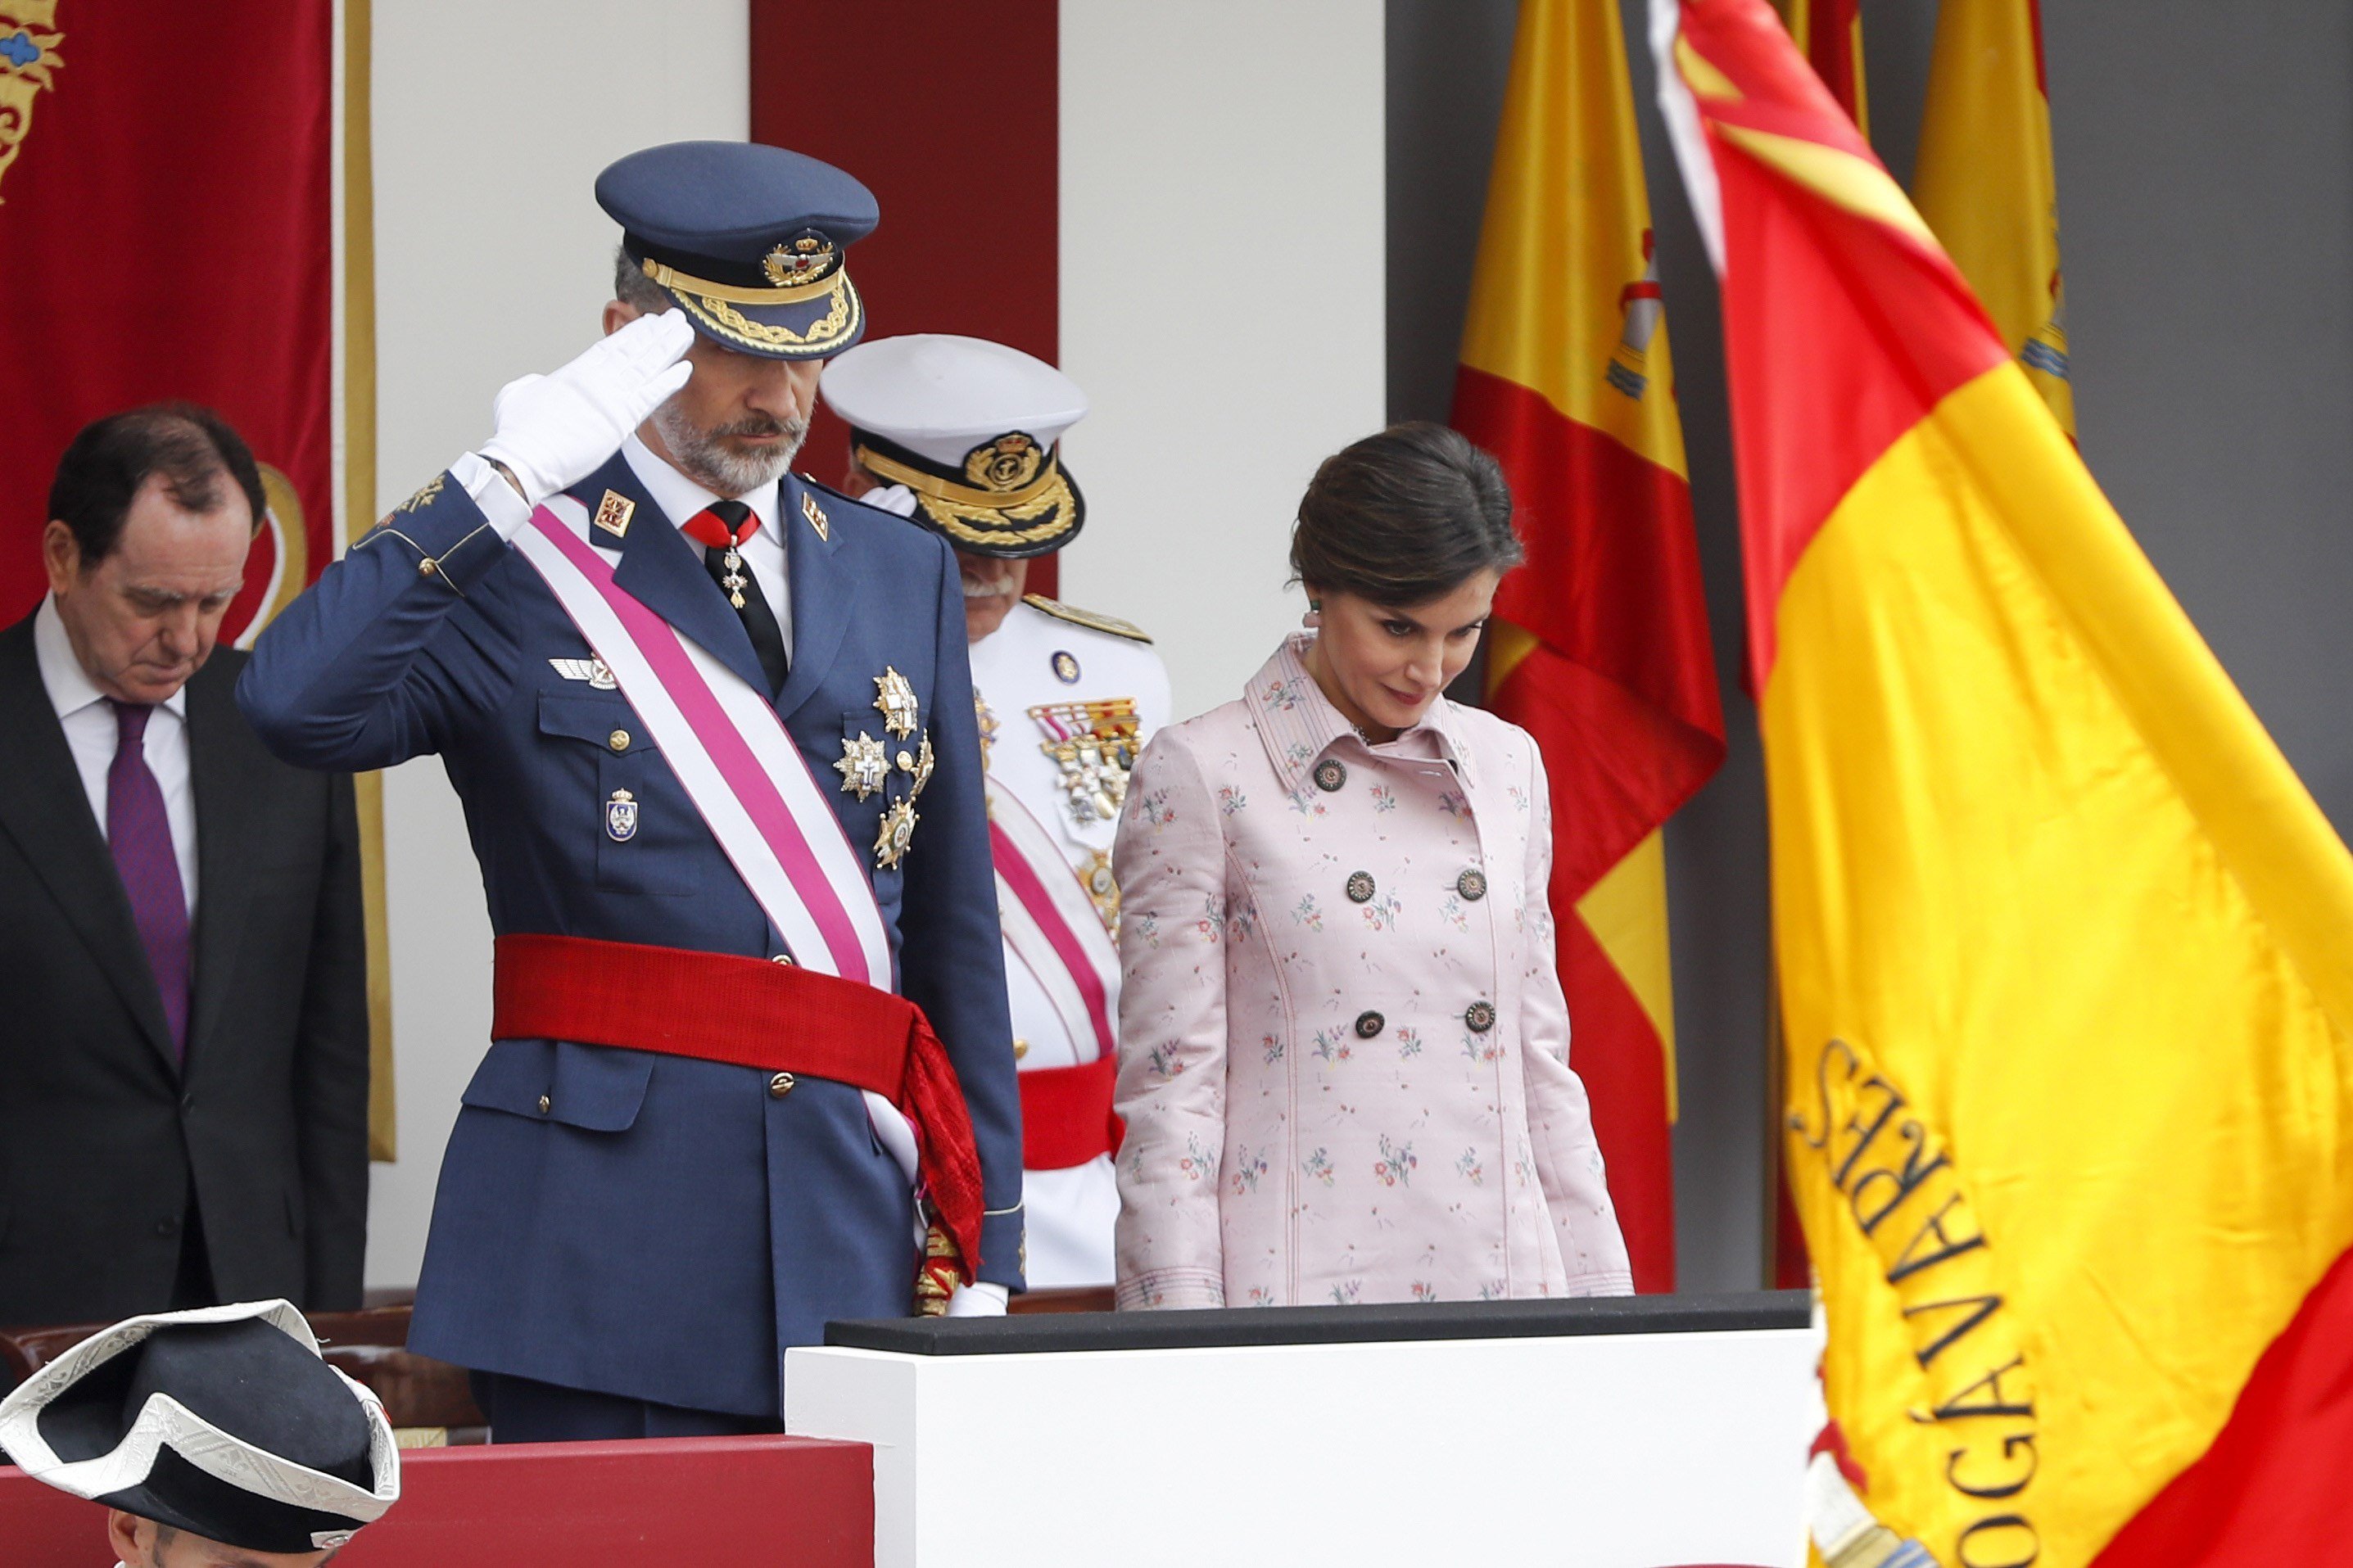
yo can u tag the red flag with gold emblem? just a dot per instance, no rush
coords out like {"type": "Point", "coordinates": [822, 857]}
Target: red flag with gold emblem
{"type": "Point", "coordinates": [1600, 647]}
{"type": "Point", "coordinates": [166, 231]}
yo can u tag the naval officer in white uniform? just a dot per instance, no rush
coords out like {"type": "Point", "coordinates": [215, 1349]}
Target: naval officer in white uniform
{"type": "Point", "coordinates": [960, 436]}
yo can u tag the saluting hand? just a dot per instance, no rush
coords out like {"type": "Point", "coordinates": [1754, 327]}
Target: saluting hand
{"type": "Point", "coordinates": [553, 430]}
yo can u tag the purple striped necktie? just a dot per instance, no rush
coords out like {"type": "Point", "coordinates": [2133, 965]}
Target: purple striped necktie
{"type": "Point", "coordinates": [140, 835]}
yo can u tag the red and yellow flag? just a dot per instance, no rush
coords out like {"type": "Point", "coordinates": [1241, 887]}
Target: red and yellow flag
{"type": "Point", "coordinates": [1984, 181]}
{"type": "Point", "coordinates": [2065, 949]}
{"type": "Point", "coordinates": [1830, 34]}
{"type": "Point", "coordinates": [1601, 647]}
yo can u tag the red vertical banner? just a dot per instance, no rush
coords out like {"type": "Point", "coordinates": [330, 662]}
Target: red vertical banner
{"type": "Point", "coordinates": [167, 231]}
{"type": "Point", "coordinates": [953, 123]}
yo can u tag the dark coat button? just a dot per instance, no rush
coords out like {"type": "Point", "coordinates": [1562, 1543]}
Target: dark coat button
{"type": "Point", "coordinates": [1330, 775]}
{"type": "Point", "coordinates": [1471, 884]}
{"type": "Point", "coordinates": [1360, 887]}
{"type": "Point", "coordinates": [780, 1086]}
{"type": "Point", "coordinates": [167, 1227]}
{"type": "Point", "coordinates": [1480, 1016]}
{"type": "Point", "coordinates": [1369, 1023]}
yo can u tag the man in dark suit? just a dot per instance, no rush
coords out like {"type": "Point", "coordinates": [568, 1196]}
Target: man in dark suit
{"type": "Point", "coordinates": [184, 1060]}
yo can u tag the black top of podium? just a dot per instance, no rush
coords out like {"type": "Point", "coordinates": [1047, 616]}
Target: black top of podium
{"type": "Point", "coordinates": [1220, 1328]}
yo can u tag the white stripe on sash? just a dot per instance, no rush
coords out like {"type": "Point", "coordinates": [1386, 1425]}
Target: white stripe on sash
{"type": "Point", "coordinates": [1051, 926]}
{"type": "Point", "coordinates": [727, 746]}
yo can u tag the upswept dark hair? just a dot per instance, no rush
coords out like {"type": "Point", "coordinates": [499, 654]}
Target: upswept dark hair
{"type": "Point", "coordinates": [1404, 517]}
{"type": "Point", "coordinates": [103, 467]}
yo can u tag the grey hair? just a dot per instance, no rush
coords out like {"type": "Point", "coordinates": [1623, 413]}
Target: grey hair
{"type": "Point", "coordinates": [632, 288]}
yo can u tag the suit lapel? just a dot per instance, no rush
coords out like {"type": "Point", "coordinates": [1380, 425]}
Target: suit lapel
{"type": "Point", "coordinates": [819, 581]}
{"type": "Point", "coordinates": [663, 570]}
{"type": "Point", "coordinates": [231, 831]}
{"type": "Point", "coordinates": [46, 812]}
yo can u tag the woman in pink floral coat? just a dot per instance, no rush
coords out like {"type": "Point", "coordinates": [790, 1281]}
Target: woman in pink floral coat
{"type": "Point", "coordinates": [1344, 1050]}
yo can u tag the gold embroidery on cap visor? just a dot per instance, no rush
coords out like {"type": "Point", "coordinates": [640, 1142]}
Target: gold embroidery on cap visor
{"type": "Point", "coordinates": [829, 334]}
{"type": "Point", "coordinates": [1029, 513]}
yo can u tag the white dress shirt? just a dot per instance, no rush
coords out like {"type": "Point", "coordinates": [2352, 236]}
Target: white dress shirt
{"type": "Point", "coordinates": [679, 497]}
{"type": "Point", "coordinates": [91, 730]}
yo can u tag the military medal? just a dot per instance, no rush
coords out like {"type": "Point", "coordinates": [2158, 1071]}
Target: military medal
{"type": "Point", "coordinates": [895, 700]}
{"type": "Point", "coordinates": [896, 831]}
{"type": "Point", "coordinates": [987, 718]}
{"type": "Point", "coordinates": [1066, 667]}
{"type": "Point", "coordinates": [1094, 743]}
{"type": "Point", "coordinates": [1103, 887]}
{"type": "Point", "coordinates": [711, 530]}
{"type": "Point", "coordinates": [621, 816]}
{"type": "Point", "coordinates": [862, 766]}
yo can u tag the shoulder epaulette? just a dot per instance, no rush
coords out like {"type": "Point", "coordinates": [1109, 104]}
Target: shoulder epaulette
{"type": "Point", "coordinates": [1087, 619]}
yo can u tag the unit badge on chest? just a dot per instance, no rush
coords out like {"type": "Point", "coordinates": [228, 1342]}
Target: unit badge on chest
{"type": "Point", "coordinates": [1094, 744]}
{"type": "Point", "coordinates": [621, 816]}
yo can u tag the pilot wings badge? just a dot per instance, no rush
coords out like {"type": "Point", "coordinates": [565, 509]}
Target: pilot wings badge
{"type": "Point", "coordinates": [592, 671]}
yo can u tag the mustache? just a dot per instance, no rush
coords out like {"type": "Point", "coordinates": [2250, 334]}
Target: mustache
{"type": "Point", "coordinates": [793, 429]}
{"type": "Point", "coordinates": [989, 588]}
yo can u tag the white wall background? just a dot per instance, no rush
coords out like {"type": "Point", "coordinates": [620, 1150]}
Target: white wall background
{"type": "Point", "coordinates": [493, 260]}
{"type": "Point", "coordinates": [1222, 289]}
{"type": "Point", "coordinates": [1223, 303]}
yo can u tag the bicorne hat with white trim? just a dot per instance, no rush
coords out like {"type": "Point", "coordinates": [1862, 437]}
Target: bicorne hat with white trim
{"type": "Point", "coordinates": [223, 1421]}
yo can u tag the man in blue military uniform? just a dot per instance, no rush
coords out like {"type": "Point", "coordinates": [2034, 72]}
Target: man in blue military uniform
{"type": "Point", "coordinates": [703, 713]}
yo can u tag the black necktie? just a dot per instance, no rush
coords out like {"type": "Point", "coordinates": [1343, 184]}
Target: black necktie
{"type": "Point", "coordinates": [759, 620]}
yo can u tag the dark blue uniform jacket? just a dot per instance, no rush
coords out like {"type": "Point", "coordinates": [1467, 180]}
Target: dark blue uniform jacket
{"type": "Point", "coordinates": [664, 1225]}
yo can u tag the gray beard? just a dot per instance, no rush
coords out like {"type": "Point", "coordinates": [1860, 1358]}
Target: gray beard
{"type": "Point", "coordinates": [700, 456]}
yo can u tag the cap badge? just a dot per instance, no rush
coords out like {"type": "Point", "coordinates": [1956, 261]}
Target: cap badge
{"type": "Point", "coordinates": [1007, 463]}
{"type": "Point", "coordinates": [803, 258]}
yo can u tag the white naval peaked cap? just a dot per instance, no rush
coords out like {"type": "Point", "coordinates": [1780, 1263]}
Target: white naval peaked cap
{"type": "Point", "coordinates": [939, 395]}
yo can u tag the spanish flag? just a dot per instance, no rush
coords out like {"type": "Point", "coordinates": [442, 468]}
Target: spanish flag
{"type": "Point", "coordinates": [1830, 34]}
{"type": "Point", "coordinates": [2065, 949]}
{"type": "Point", "coordinates": [1601, 647]}
{"type": "Point", "coordinates": [1984, 181]}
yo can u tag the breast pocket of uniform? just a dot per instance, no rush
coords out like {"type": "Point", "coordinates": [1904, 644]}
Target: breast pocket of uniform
{"type": "Point", "coordinates": [646, 834]}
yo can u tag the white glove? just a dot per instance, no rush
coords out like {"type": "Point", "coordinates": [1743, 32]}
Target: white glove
{"type": "Point", "coordinates": [981, 1301]}
{"type": "Point", "coordinates": [553, 430]}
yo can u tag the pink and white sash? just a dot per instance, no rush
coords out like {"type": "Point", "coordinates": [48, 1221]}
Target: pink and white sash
{"type": "Point", "coordinates": [727, 746]}
{"type": "Point", "coordinates": [1051, 924]}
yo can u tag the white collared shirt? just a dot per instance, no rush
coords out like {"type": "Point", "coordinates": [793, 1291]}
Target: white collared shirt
{"type": "Point", "coordinates": [682, 498]}
{"type": "Point", "coordinates": [91, 730]}
{"type": "Point", "coordinates": [679, 497]}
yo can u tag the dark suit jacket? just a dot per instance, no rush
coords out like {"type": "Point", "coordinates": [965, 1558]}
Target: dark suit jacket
{"type": "Point", "coordinates": [100, 1131]}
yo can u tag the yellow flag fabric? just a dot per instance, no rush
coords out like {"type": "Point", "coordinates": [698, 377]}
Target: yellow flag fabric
{"type": "Point", "coordinates": [1984, 180]}
{"type": "Point", "coordinates": [2065, 949]}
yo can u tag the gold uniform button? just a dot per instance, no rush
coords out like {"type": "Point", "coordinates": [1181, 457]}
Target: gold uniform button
{"type": "Point", "coordinates": [427, 567]}
{"type": "Point", "coordinates": [780, 1086]}
{"type": "Point", "coordinates": [618, 740]}
{"type": "Point", "coordinates": [1471, 884]}
{"type": "Point", "coordinates": [1020, 1049]}
{"type": "Point", "coordinates": [784, 958]}
{"type": "Point", "coordinates": [544, 1103]}
{"type": "Point", "coordinates": [1480, 1016]}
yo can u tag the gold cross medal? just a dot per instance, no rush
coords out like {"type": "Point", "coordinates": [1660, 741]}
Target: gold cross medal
{"type": "Point", "coordinates": [734, 580]}
{"type": "Point", "coordinates": [863, 766]}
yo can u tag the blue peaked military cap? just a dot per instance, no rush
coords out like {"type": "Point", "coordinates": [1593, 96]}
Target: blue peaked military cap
{"type": "Point", "coordinates": [749, 240]}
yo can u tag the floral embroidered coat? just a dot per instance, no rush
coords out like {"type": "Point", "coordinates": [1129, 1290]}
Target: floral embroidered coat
{"type": "Point", "coordinates": [1342, 1042]}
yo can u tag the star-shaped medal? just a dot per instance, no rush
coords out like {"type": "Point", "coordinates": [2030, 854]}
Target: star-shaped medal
{"type": "Point", "coordinates": [896, 831]}
{"type": "Point", "coordinates": [863, 767]}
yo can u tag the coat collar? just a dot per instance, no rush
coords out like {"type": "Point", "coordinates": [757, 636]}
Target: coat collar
{"type": "Point", "coordinates": [47, 812]}
{"type": "Point", "coordinates": [1298, 724]}
{"type": "Point", "coordinates": [822, 579]}
{"type": "Point", "coordinates": [663, 570]}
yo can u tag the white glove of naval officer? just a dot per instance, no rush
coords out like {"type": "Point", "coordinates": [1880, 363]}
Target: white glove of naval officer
{"type": "Point", "coordinates": [554, 430]}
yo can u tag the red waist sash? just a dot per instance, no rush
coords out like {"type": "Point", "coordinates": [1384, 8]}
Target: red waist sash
{"type": "Point", "coordinates": [751, 1012]}
{"type": "Point", "coordinates": [1066, 1115]}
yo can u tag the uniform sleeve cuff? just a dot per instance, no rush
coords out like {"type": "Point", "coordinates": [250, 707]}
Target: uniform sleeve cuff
{"type": "Point", "coordinates": [502, 506]}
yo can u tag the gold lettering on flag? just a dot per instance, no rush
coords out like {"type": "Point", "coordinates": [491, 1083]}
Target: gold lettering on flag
{"type": "Point", "coordinates": [1905, 1195]}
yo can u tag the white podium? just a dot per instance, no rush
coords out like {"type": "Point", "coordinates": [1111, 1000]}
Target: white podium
{"type": "Point", "coordinates": [1650, 1432]}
